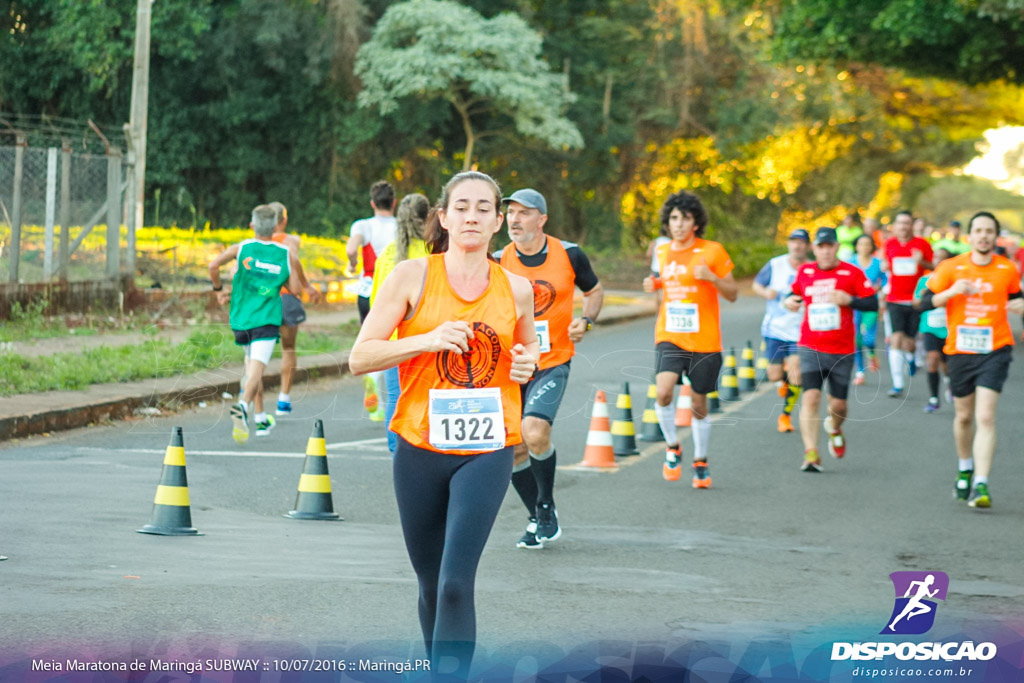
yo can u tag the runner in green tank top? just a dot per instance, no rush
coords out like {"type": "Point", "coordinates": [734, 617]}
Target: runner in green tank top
{"type": "Point", "coordinates": [255, 319]}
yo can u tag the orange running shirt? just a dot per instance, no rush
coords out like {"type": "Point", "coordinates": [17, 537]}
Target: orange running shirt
{"type": "Point", "coordinates": [688, 316]}
{"type": "Point", "coordinates": [554, 284]}
{"type": "Point", "coordinates": [487, 364]}
{"type": "Point", "coordinates": [977, 323]}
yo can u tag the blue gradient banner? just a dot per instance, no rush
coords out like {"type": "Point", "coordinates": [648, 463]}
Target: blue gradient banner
{"type": "Point", "coordinates": [808, 655]}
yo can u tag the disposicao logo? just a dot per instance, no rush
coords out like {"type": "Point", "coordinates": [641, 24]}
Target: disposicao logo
{"type": "Point", "coordinates": [913, 614]}
{"type": "Point", "coordinates": [916, 593]}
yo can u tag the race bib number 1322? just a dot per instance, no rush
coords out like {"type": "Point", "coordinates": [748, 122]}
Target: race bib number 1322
{"type": "Point", "coordinates": [466, 419]}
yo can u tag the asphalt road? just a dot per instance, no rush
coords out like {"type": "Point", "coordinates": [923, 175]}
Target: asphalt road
{"type": "Point", "coordinates": [768, 552]}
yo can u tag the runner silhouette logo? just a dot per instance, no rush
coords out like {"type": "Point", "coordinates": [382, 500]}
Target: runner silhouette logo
{"type": "Point", "coordinates": [916, 595]}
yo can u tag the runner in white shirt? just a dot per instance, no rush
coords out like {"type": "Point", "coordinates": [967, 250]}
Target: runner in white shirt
{"type": "Point", "coordinates": [370, 236]}
{"type": "Point", "coordinates": [781, 328]}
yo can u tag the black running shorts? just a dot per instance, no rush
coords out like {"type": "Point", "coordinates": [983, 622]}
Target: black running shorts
{"type": "Point", "coordinates": [904, 318]}
{"type": "Point", "coordinates": [967, 371]}
{"type": "Point", "coordinates": [543, 394]}
{"type": "Point", "coordinates": [932, 343]}
{"type": "Point", "coordinates": [816, 367]}
{"type": "Point", "coordinates": [246, 337]}
{"type": "Point", "coordinates": [292, 312]}
{"type": "Point", "coordinates": [701, 368]}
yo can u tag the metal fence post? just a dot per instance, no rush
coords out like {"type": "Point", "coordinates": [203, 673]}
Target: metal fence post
{"type": "Point", "coordinates": [114, 163]}
{"type": "Point", "coordinates": [130, 216]}
{"type": "Point", "coordinates": [20, 144]}
{"type": "Point", "coordinates": [51, 211]}
{"type": "Point", "coordinates": [65, 210]}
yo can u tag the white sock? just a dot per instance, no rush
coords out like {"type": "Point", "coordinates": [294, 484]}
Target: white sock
{"type": "Point", "coordinates": [966, 465]}
{"type": "Point", "coordinates": [260, 417]}
{"type": "Point", "coordinates": [896, 361]}
{"type": "Point", "coordinates": [284, 397]}
{"type": "Point", "coordinates": [667, 420]}
{"type": "Point", "coordinates": [701, 433]}
{"type": "Point", "coordinates": [980, 480]}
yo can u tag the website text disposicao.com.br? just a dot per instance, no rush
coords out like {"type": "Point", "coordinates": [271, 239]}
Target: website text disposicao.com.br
{"type": "Point", "coordinates": [947, 657]}
{"type": "Point", "coordinates": [903, 672]}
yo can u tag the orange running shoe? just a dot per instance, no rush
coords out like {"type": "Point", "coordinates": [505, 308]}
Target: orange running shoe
{"type": "Point", "coordinates": [672, 469]}
{"type": "Point", "coordinates": [701, 477]}
{"type": "Point", "coordinates": [785, 423]}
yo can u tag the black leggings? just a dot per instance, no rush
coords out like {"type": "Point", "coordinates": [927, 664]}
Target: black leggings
{"type": "Point", "coordinates": [447, 505]}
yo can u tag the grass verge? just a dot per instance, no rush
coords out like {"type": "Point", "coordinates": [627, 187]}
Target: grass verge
{"type": "Point", "coordinates": [203, 350]}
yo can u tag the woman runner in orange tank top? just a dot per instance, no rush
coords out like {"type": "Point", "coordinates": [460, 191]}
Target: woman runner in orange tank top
{"type": "Point", "coordinates": [466, 341]}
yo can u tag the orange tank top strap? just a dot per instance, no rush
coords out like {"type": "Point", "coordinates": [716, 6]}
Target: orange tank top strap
{"type": "Point", "coordinates": [461, 403]}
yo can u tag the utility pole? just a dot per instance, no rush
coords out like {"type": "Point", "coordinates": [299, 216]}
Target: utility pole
{"type": "Point", "coordinates": [140, 106]}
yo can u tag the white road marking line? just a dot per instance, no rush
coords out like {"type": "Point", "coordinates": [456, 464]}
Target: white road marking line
{"type": "Point", "coordinates": [240, 454]}
{"type": "Point", "coordinates": [361, 442]}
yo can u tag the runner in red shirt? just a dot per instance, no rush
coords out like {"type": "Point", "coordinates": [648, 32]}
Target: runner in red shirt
{"type": "Point", "coordinates": [908, 258]}
{"type": "Point", "coordinates": [978, 289]}
{"type": "Point", "coordinates": [829, 290]}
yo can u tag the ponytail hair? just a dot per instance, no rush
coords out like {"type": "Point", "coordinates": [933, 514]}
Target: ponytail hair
{"type": "Point", "coordinates": [434, 233]}
{"type": "Point", "coordinates": [411, 215]}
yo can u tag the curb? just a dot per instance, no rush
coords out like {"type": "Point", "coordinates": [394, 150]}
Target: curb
{"type": "Point", "coordinates": [123, 400]}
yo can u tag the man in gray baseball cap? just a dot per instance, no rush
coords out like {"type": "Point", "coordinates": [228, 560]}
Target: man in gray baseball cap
{"type": "Point", "coordinates": [555, 268]}
{"type": "Point", "coordinates": [529, 198]}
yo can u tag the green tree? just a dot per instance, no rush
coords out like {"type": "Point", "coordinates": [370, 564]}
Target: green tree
{"type": "Point", "coordinates": [974, 41]}
{"type": "Point", "coordinates": [489, 71]}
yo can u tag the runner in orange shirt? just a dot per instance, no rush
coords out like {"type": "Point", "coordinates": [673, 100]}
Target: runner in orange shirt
{"type": "Point", "coordinates": [555, 268]}
{"type": "Point", "coordinates": [466, 342]}
{"type": "Point", "coordinates": [978, 289]}
{"type": "Point", "coordinates": [292, 311]}
{"type": "Point", "coordinates": [687, 337]}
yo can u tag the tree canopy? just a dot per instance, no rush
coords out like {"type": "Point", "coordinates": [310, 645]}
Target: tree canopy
{"type": "Point", "coordinates": [778, 113]}
{"type": "Point", "coordinates": [975, 41]}
{"type": "Point", "coordinates": [488, 70]}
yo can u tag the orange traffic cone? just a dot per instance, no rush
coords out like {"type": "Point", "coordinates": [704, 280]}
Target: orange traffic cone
{"type": "Point", "coordinates": [684, 405]}
{"type": "Point", "coordinates": [172, 514]}
{"type": "Point", "coordinates": [598, 452]}
{"type": "Point", "coordinates": [314, 498]}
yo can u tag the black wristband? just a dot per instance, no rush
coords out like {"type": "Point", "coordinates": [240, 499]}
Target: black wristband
{"type": "Point", "coordinates": [590, 323]}
{"type": "Point", "coordinates": [218, 288]}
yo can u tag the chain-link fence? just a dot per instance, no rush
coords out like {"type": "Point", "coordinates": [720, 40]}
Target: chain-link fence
{"type": "Point", "coordinates": [55, 204]}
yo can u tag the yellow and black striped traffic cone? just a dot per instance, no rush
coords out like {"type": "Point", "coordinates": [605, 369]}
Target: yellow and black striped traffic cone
{"type": "Point", "coordinates": [729, 389]}
{"type": "Point", "coordinates": [650, 430]}
{"type": "Point", "coordinates": [314, 498]}
{"type": "Point", "coordinates": [747, 374]}
{"type": "Point", "coordinates": [714, 405]}
{"type": "Point", "coordinates": [172, 515]}
{"type": "Point", "coordinates": [623, 431]}
{"type": "Point", "coordinates": [762, 364]}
